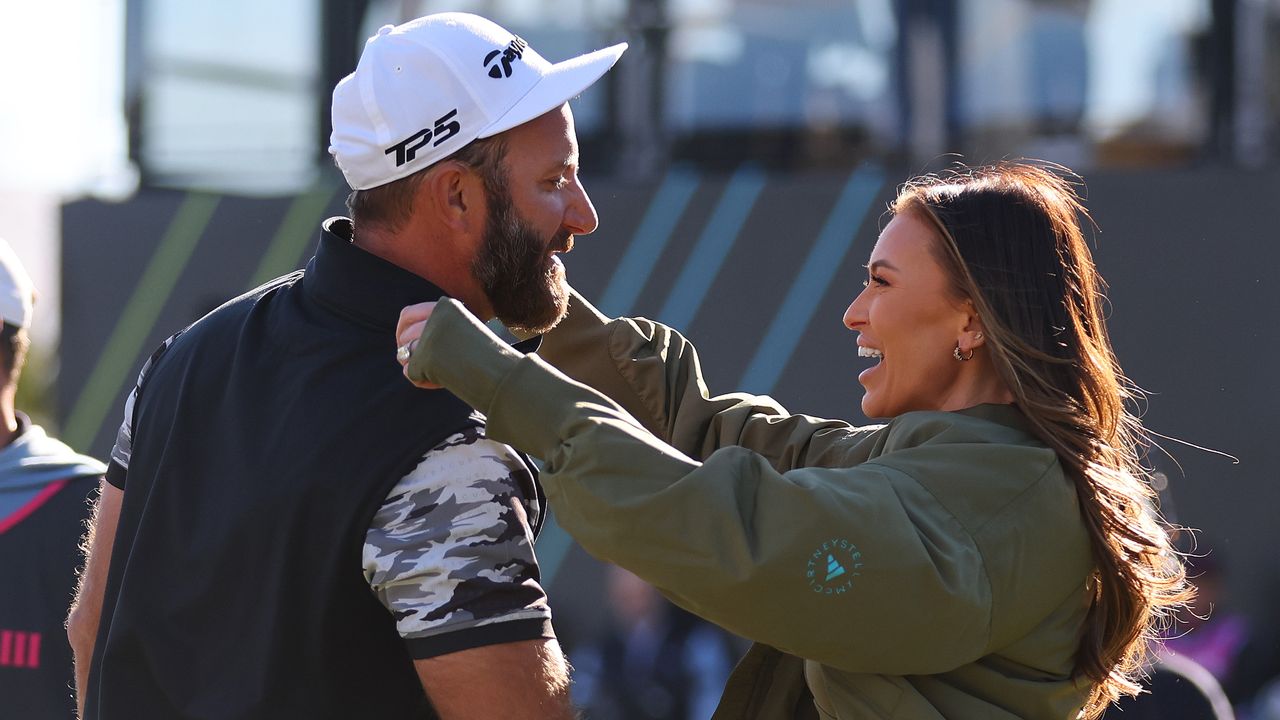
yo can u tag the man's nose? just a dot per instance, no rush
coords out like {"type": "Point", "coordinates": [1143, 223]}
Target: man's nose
{"type": "Point", "coordinates": [580, 216]}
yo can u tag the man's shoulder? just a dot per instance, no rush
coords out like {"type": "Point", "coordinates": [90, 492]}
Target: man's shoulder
{"type": "Point", "coordinates": [234, 310]}
{"type": "Point", "coordinates": [222, 322]}
{"type": "Point", "coordinates": [469, 461]}
{"type": "Point", "coordinates": [466, 472]}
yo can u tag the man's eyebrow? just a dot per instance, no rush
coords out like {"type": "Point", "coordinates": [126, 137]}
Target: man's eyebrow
{"type": "Point", "coordinates": [563, 163]}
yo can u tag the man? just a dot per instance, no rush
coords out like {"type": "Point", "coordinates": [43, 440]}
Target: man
{"type": "Point", "coordinates": [652, 660]}
{"type": "Point", "coordinates": [301, 533]}
{"type": "Point", "coordinates": [44, 491]}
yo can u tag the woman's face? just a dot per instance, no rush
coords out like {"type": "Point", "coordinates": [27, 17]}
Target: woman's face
{"type": "Point", "coordinates": [910, 324]}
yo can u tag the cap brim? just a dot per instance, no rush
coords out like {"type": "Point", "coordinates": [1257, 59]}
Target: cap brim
{"type": "Point", "coordinates": [563, 82]}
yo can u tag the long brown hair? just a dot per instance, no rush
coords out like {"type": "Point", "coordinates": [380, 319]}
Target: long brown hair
{"type": "Point", "coordinates": [1010, 237]}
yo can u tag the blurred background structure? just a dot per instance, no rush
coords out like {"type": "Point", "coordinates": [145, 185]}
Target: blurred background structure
{"type": "Point", "coordinates": [160, 156]}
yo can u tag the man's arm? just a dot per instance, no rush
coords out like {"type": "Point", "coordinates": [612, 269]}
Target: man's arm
{"type": "Point", "coordinates": [525, 679]}
{"type": "Point", "coordinates": [86, 609]}
{"type": "Point", "coordinates": [450, 554]}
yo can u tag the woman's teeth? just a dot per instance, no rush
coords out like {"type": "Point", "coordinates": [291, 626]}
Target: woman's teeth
{"type": "Point", "coordinates": [869, 352]}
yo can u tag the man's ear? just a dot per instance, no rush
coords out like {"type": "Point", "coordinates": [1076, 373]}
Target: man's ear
{"type": "Point", "coordinates": [456, 196]}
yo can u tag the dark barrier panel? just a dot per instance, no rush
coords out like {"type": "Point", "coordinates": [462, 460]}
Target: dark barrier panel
{"type": "Point", "coordinates": [758, 270]}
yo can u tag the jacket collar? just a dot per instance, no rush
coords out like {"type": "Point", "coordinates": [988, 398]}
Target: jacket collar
{"type": "Point", "coordinates": [359, 284]}
{"type": "Point", "coordinates": [366, 288]}
{"type": "Point", "coordinates": [1010, 416]}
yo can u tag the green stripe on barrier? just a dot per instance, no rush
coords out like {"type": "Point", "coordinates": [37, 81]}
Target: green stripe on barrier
{"type": "Point", "coordinates": [296, 228]}
{"type": "Point", "coordinates": [101, 390]}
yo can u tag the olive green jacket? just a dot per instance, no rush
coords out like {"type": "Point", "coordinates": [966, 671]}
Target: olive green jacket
{"type": "Point", "coordinates": [934, 567]}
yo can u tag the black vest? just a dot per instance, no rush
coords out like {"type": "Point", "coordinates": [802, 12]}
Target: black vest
{"type": "Point", "coordinates": [265, 438]}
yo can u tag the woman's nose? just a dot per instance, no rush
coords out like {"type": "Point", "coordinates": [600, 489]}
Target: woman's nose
{"type": "Point", "coordinates": [854, 317]}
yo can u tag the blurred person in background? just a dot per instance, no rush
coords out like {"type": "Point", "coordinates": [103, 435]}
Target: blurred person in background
{"type": "Point", "coordinates": [1266, 703]}
{"type": "Point", "coordinates": [1241, 654]}
{"type": "Point", "coordinates": [1174, 687]}
{"type": "Point", "coordinates": [1212, 633]}
{"type": "Point", "coordinates": [989, 553]}
{"type": "Point", "coordinates": [45, 500]}
{"type": "Point", "coordinates": [287, 529]}
{"type": "Point", "coordinates": [653, 662]}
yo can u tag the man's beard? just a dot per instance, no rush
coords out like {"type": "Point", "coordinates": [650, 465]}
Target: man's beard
{"type": "Point", "coordinates": [525, 287]}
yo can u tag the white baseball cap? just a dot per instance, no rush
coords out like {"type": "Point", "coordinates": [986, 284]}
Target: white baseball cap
{"type": "Point", "coordinates": [16, 290]}
{"type": "Point", "coordinates": [424, 89]}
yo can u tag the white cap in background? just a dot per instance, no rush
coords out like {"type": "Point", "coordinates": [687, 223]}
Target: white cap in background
{"type": "Point", "coordinates": [16, 290]}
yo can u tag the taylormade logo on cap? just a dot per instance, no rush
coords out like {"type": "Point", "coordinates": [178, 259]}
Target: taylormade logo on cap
{"type": "Point", "coordinates": [425, 89]}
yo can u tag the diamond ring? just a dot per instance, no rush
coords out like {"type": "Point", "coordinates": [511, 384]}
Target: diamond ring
{"type": "Point", "coordinates": [404, 351]}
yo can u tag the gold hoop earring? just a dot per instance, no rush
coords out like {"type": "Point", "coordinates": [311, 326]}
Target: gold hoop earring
{"type": "Point", "coordinates": [962, 358]}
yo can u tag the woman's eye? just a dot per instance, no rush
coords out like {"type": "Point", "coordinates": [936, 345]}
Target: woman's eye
{"type": "Point", "coordinates": [876, 280]}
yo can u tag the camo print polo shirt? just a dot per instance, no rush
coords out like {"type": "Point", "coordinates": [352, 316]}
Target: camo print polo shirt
{"type": "Point", "coordinates": [475, 569]}
{"type": "Point", "coordinates": [451, 548]}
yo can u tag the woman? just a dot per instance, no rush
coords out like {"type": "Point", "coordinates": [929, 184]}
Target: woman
{"type": "Point", "coordinates": [989, 553]}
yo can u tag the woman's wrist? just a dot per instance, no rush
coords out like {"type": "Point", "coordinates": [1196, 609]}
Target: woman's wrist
{"type": "Point", "coordinates": [459, 352]}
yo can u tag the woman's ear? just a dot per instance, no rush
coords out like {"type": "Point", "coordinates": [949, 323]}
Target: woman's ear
{"type": "Point", "coordinates": [974, 333]}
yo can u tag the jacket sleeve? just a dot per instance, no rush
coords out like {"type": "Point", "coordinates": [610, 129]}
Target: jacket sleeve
{"type": "Point", "coordinates": [856, 568]}
{"type": "Point", "coordinates": [653, 372]}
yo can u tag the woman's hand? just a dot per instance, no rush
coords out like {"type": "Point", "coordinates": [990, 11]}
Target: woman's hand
{"type": "Point", "coordinates": [408, 330]}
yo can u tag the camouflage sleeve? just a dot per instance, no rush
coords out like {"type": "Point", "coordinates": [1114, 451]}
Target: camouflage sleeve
{"type": "Point", "coordinates": [450, 552]}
